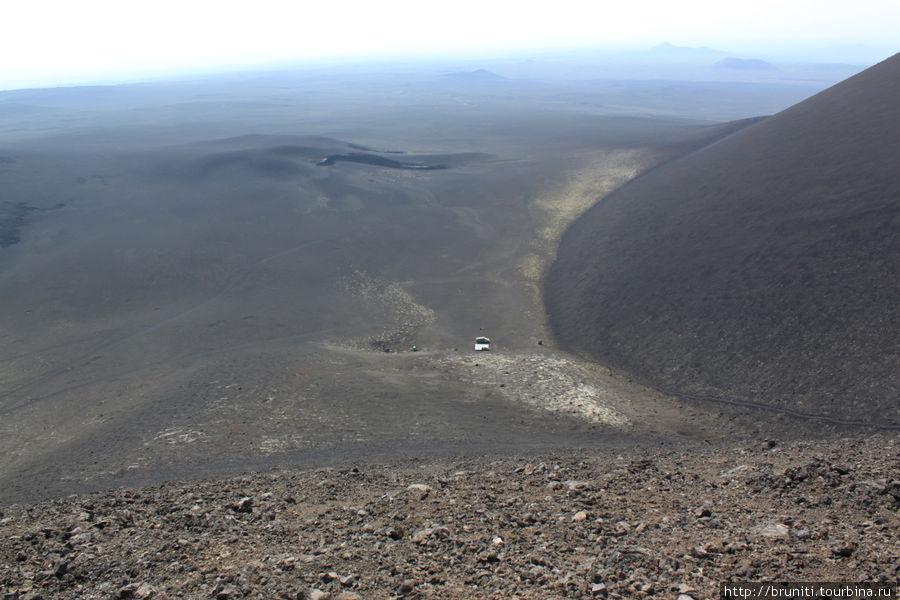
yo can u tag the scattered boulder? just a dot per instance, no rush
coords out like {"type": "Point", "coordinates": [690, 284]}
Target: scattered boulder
{"type": "Point", "coordinates": [774, 530]}
{"type": "Point", "coordinates": [844, 549]}
{"type": "Point", "coordinates": [244, 505]}
{"type": "Point", "coordinates": [420, 491]}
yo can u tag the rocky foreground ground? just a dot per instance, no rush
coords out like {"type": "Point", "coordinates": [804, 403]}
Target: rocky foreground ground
{"type": "Point", "coordinates": [673, 522]}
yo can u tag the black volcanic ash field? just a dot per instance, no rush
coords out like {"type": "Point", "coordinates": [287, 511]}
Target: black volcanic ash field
{"type": "Point", "coordinates": [186, 289]}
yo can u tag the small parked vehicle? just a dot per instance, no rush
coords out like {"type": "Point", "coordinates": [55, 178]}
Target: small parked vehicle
{"type": "Point", "coordinates": [482, 343]}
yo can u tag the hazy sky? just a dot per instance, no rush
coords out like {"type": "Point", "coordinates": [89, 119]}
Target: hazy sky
{"type": "Point", "coordinates": [47, 42]}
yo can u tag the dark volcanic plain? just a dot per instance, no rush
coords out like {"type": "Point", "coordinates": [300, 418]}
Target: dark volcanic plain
{"type": "Point", "coordinates": [283, 274]}
{"type": "Point", "coordinates": [207, 277]}
{"type": "Point", "coordinates": [762, 269]}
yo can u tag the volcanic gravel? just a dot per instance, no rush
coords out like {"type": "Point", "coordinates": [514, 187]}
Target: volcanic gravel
{"type": "Point", "coordinates": [671, 522]}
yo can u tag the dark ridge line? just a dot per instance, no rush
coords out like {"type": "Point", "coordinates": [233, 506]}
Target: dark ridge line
{"type": "Point", "coordinates": [776, 409]}
{"type": "Point", "coordinates": [732, 127]}
{"type": "Point", "coordinates": [378, 161]}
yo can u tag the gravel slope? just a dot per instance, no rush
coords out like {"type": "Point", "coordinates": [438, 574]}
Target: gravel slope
{"type": "Point", "coordinates": [652, 523]}
{"type": "Point", "coordinates": [761, 268]}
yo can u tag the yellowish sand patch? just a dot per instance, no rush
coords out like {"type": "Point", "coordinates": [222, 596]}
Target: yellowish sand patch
{"type": "Point", "coordinates": [557, 207]}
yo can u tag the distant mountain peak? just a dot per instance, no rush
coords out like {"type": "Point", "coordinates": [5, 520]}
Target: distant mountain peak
{"type": "Point", "coordinates": [476, 75]}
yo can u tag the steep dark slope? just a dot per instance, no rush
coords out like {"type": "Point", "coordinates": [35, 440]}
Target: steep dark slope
{"type": "Point", "coordinates": [762, 268]}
